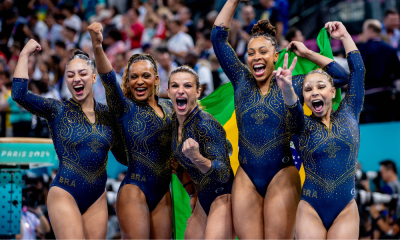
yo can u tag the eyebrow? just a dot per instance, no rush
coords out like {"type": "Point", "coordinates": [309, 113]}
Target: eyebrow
{"type": "Point", "coordinates": [259, 47]}
{"type": "Point", "coordinates": [80, 70]}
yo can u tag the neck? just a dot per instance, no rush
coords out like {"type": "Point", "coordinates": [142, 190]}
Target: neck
{"type": "Point", "coordinates": [87, 103]}
{"type": "Point", "coordinates": [264, 85]}
{"type": "Point", "coordinates": [393, 178]}
{"type": "Point", "coordinates": [152, 101]}
{"type": "Point", "coordinates": [182, 118]}
{"type": "Point", "coordinates": [327, 118]}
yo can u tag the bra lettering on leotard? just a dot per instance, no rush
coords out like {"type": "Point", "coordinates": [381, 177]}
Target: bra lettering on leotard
{"type": "Point", "coordinates": [138, 178]}
{"type": "Point", "coordinates": [66, 181]}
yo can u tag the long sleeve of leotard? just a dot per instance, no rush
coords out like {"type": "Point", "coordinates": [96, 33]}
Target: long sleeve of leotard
{"type": "Point", "coordinates": [46, 108]}
{"type": "Point", "coordinates": [213, 145]}
{"type": "Point", "coordinates": [295, 118]}
{"type": "Point", "coordinates": [339, 75]}
{"type": "Point", "coordinates": [355, 93]}
{"type": "Point", "coordinates": [118, 148]}
{"type": "Point", "coordinates": [114, 95]}
{"type": "Point", "coordinates": [227, 58]}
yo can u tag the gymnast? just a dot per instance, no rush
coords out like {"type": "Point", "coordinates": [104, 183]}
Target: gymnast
{"type": "Point", "coordinates": [328, 143]}
{"type": "Point", "coordinates": [83, 132]}
{"type": "Point", "coordinates": [266, 190]}
{"type": "Point", "coordinates": [200, 148]}
{"type": "Point", "coordinates": [144, 200]}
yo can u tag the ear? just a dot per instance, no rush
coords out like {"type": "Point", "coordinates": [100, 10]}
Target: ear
{"type": "Point", "coordinates": [333, 92]}
{"type": "Point", "coordinates": [94, 78]}
{"type": "Point", "coordinates": [157, 80]}
{"type": "Point", "coordinates": [276, 56]}
{"type": "Point", "coordinates": [198, 93]}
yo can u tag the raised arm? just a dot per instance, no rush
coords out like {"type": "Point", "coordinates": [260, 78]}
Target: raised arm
{"type": "Point", "coordinates": [37, 105]}
{"type": "Point", "coordinates": [295, 114]}
{"type": "Point", "coordinates": [230, 63]}
{"type": "Point", "coordinates": [355, 93]}
{"type": "Point", "coordinates": [114, 94]}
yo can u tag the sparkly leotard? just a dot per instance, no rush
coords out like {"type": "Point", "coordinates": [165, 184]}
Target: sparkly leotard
{"type": "Point", "coordinates": [329, 154]}
{"type": "Point", "coordinates": [264, 139]}
{"type": "Point", "coordinates": [208, 132]}
{"type": "Point", "coordinates": [148, 140]}
{"type": "Point", "coordinates": [82, 147]}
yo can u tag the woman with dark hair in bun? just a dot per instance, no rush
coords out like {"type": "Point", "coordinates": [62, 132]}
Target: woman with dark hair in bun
{"type": "Point", "coordinates": [266, 189]}
{"type": "Point", "coordinates": [144, 201]}
{"type": "Point", "coordinates": [83, 132]}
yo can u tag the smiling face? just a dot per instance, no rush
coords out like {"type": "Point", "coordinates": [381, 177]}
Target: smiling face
{"type": "Point", "coordinates": [79, 79]}
{"type": "Point", "coordinates": [318, 93]}
{"type": "Point", "coordinates": [142, 80]}
{"type": "Point", "coordinates": [261, 57]}
{"type": "Point", "coordinates": [183, 92]}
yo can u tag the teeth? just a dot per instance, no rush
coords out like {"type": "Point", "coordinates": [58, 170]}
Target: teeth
{"type": "Point", "coordinates": [75, 87]}
{"type": "Point", "coordinates": [140, 89]}
{"type": "Point", "coordinates": [180, 98]}
{"type": "Point", "coordinates": [315, 101]}
{"type": "Point", "coordinates": [259, 66]}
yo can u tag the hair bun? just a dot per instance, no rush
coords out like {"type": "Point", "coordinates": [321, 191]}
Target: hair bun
{"type": "Point", "coordinates": [78, 52]}
{"type": "Point", "coordinates": [264, 26]}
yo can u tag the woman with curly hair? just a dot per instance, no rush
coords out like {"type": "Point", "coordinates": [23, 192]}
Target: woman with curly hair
{"type": "Point", "coordinates": [266, 189]}
{"type": "Point", "coordinates": [144, 201]}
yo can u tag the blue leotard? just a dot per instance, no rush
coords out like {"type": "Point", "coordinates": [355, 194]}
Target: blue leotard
{"type": "Point", "coordinates": [82, 147]}
{"type": "Point", "coordinates": [264, 139]}
{"type": "Point", "coordinates": [329, 155]}
{"type": "Point", "coordinates": [148, 140]}
{"type": "Point", "coordinates": [208, 132]}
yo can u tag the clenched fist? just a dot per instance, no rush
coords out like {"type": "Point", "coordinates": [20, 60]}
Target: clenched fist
{"type": "Point", "coordinates": [191, 149]}
{"type": "Point", "coordinates": [31, 47]}
{"type": "Point", "coordinates": [96, 33]}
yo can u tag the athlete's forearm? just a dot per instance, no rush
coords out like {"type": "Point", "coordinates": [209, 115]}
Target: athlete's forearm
{"type": "Point", "coordinates": [225, 16]}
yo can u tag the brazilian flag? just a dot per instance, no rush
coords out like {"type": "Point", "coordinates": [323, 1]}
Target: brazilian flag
{"type": "Point", "coordinates": [221, 105]}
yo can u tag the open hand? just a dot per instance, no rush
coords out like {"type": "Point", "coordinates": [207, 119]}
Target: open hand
{"type": "Point", "coordinates": [96, 33]}
{"type": "Point", "coordinates": [284, 75]}
{"type": "Point", "coordinates": [191, 149]}
{"type": "Point", "coordinates": [31, 47]}
{"type": "Point", "coordinates": [336, 29]}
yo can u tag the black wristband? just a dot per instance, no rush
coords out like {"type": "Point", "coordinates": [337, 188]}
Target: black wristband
{"type": "Point", "coordinates": [377, 219]}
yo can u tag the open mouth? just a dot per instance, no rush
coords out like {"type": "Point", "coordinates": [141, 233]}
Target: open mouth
{"type": "Point", "coordinates": [79, 89]}
{"type": "Point", "coordinates": [259, 69]}
{"type": "Point", "coordinates": [140, 91]}
{"type": "Point", "coordinates": [318, 105]}
{"type": "Point", "coordinates": [181, 103]}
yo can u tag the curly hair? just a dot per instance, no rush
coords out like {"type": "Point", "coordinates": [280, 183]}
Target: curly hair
{"type": "Point", "coordinates": [264, 28]}
{"type": "Point", "coordinates": [125, 77]}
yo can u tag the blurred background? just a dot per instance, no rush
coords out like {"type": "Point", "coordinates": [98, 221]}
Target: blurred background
{"type": "Point", "coordinates": [178, 32]}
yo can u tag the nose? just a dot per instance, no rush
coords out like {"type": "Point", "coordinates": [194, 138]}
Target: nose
{"type": "Point", "coordinates": [314, 93]}
{"type": "Point", "coordinates": [180, 90]}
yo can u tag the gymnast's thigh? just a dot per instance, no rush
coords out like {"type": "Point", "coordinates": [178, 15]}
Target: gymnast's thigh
{"type": "Point", "coordinates": [219, 220]}
{"type": "Point", "coordinates": [133, 213]}
{"type": "Point", "coordinates": [95, 219]}
{"type": "Point", "coordinates": [247, 208]}
{"type": "Point", "coordinates": [65, 217]}
{"type": "Point", "coordinates": [308, 223]}
{"type": "Point", "coordinates": [280, 204]}
{"type": "Point", "coordinates": [346, 224]}
{"type": "Point", "coordinates": [196, 224]}
{"type": "Point", "coordinates": [161, 219]}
